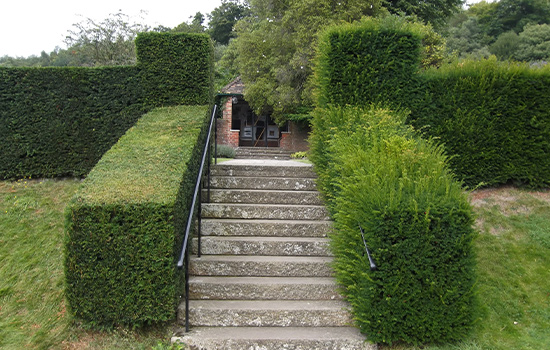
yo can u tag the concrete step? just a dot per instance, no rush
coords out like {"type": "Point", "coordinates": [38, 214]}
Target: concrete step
{"type": "Point", "coordinates": [261, 153]}
{"type": "Point", "coordinates": [262, 196]}
{"type": "Point", "coordinates": [264, 211]}
{"type": "Point", "coordinates": [260, 266]}
{"type": "Point", "coordinates": [246, 155]}
{"type": "Point", "coordinates": [268, 313]}
{"type": "Point", "coordinates": [275, 338]}
{"type": "Point", "coordinates": [267, 183]}
{"type": "Point", "coordinates": [266, 228]}
{"type": "Point", "coordinates": [277, 246]}
{"type": "Point", "coordinates": [286, 169]}
{"type": "Point", "coordinates": [263, 288]}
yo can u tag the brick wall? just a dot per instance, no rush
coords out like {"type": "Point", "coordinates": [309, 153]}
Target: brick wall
{"type": "Point", "coordinates": [296, 139]}
{"type": "Point", "coordinates": [226, 136]}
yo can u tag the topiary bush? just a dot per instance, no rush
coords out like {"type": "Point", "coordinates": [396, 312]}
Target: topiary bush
{"type": "Point", "coordinates": [126, 223]}
{"type": "Point", "coordinates": [379, 175]}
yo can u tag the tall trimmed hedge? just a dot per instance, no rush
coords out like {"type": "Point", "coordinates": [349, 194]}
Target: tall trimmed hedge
{"type": "Point", "coordinates": [126, 223]}
{"type": "Point", "coordinates": [176, 69]}
{"type": "Point", "coordinates": [378, 175]}
{"type": "Point", "coordinates": [60, 121]}
{"type": "Point", "coordinates": [493, 118]}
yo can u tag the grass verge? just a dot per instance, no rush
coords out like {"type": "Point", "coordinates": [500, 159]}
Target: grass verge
{"type": "Point", "coordinates": [32, 305]}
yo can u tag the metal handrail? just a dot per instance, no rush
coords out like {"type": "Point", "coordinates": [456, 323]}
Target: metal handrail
{"type": "Point", "coordinates": [371, 260]}
{"type": "Point", "coordinates": [184, 255]}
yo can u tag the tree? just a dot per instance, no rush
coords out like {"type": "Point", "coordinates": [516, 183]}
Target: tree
{"type": "Point", "coordinates": [434, 11]}
{"type": "Point", "coordinates": [223, 18]}
{"type": "Point", "coordinates": [505, 46]}
{"type": "Point", "coordinates": [467, 39]}
{"type": "Point", "coordinates": [534, 43]}
{"type": "Point", "coordinates": [109, 42]}
{"type": "Point", "coordinates": [276, 45]}
{"type": "Point", "coordinates": [195, 26]}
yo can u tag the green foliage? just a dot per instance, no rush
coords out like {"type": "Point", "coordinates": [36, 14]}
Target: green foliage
{"type": "Point", "coordinates": [375, 172]}
{"type": "Point", "coordinates": [168, 81]}
{"type": "Point", "coordinates": [196, 26]}
{"type": "Point", "coordinates": [472, 32]}
{"type": "Point", "coordinates": [225, 151]}
{"type": "Point", "coordinates": [434, 11]}
{"type": "Point", "coordinates": [493, 119]}
{"type": "Point", "coordinates": [60, 121]}
{"type": "Point", "coordinates": [505, 46]}
{"type": "Point", "coordinates": [106, 43]}
{"type": "Point", "coordinates": [124, 226]}
{"type": "Point", "coordinates": [276, 47]}
{"type": "Point", "coordinates": [534, 43]}
{"type": "Point", "coordinates": [373, 61]}
{"type": "Point", "coordinates": [223, 18]}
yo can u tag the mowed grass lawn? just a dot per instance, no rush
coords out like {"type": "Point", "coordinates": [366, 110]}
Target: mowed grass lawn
{"type": "Point", "coordinates": [33, 313]}
{"type": "Point", "coordinates": [513, 254]}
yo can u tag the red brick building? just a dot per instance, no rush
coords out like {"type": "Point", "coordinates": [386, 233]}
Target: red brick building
{"type": "Point", "coordinates": [241, 127]}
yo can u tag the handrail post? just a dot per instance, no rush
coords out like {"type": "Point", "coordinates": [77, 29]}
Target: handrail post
{"type": "Point", "coordinates": [209, 156]}
{"type": "Point", "coordinates": [186, 276]}
{"type": "Point", "coordinates": [216, 140]}
{"type": "Point", "coordinates": [371, 260]}
{"type": "Point", "coordinates": [199, 236]}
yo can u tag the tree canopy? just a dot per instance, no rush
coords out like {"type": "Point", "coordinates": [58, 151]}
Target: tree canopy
{"type": "Point", "coordinates": [276, 44]}
{"type": "Point", "coordinates": [275, 48]}
{"type": "Point", "coordinates": [496, 27]}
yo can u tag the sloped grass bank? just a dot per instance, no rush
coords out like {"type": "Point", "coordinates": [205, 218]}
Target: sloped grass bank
{"type": "Point", "coordinates": [124, 226]}
{"type": "Point", "coordinates": [32, 307]}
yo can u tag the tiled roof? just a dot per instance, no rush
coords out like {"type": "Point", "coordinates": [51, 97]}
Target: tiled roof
{"type": "Point", "coordinates": [235, 87]}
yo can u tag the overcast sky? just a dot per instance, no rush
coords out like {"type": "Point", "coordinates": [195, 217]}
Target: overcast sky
{"type": "Point", "coordinates": [32, 26]}
{"type": "Point", "coordinates": [29, 27]}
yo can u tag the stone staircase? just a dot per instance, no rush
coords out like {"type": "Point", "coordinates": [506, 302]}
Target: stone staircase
{"type": "Point", "coordinates": [261, 153]}
{"type": "Point", "coordinates": [263, 280]}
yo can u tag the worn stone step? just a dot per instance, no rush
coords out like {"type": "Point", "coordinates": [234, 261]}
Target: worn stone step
{"type": "Point", "coordinates": [262, 196]}
{"type": "Point", "coordinates": [278, 246]}
{"type": "Point", "coordinates": [267, 183]}
{"type": "Point", "coordinates": [264, 211]}
{"type": "Point", "coordinates": [288, 169]}
{"type": "Point", "coordinates": [263, 288]}
{"type": "Point", "coordinates": [275, 338]}
{"type": "Point", "coordinates": [276, 156]}
{"type": "Point", "coordinates": [274, 228]}
{"type": "Point", "coordinates": [268, 313]}
{"type": "Point", "coordinates": [282, 266]}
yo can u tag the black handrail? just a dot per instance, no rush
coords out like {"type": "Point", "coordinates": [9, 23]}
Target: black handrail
{"type": "Point", "coordinates": [184, 255]}
{"type": "Point", "coordinates": [371, 260]}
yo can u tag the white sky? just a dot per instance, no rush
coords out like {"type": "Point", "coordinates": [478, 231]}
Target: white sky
{"type": "Point", "coordinates": [29, 27]}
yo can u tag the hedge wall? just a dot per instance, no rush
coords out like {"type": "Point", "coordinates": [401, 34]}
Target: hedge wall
{"type": "Point", "coordinates": [176, 69]}
{"type": "Point", "coordinates": [125, 225]}
{"type": "Point", "coordinates": [60, 121]}
{"type": "Point", "coordinates": [379, 175]}
{"type": "Point", "coordinates": [493, 118]}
